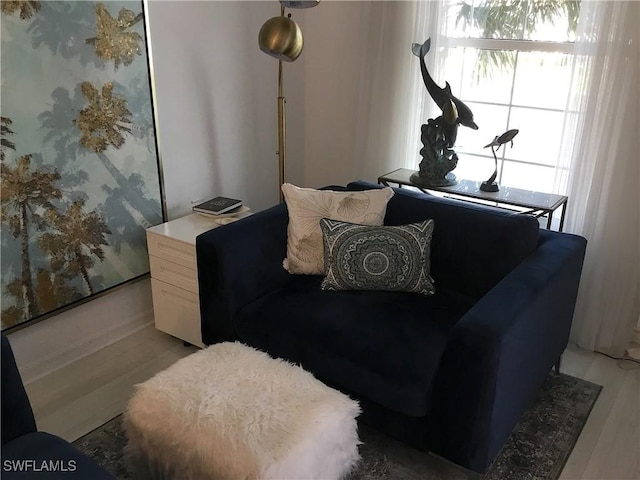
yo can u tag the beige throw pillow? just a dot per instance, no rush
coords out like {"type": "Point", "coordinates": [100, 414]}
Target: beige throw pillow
{"type": "Point", "coordinates": [307, 206]}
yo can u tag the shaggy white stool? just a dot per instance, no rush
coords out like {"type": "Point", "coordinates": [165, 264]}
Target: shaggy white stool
{"type": "Point", "coordinates": [232, 412]}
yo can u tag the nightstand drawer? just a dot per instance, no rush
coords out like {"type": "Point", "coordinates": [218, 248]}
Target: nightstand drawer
{"type": "Point", "coordinates": [172, 250]}
{"type": "Point", "coordinates": [174, 274]}
{"type": "Point", "coordinates": [177, 312]}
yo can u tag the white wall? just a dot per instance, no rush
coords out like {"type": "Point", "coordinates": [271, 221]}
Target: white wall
{"type": "Point", "coordinates": [362, 82]}
{"type": "Point", "coordinates": [216, 95]}
{"type": "Point", "coordinates": [217, 113]}
{"type": "Point", "coordinates": [334, 42]}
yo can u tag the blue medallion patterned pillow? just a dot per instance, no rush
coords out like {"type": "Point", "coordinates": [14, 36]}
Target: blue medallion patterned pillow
{"type": "Point", "coordinates": [364, 257]}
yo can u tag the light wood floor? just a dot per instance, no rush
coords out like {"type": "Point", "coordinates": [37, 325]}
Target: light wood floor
{"type": "Point", "coordinates": [82, 396]}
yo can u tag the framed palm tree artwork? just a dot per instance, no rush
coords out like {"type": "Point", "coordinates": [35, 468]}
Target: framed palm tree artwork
{"type": "Point", "coordinates": [80, 172]}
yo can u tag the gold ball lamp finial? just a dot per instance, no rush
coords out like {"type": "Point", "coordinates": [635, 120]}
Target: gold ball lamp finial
{"type": "Point", "coordinates": [281, 38]}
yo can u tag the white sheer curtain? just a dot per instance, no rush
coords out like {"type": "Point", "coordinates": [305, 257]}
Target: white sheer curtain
{"type": "Point", "coordinates": [390, 84]}
{"type": "Point", "coordinates": [604, 175]}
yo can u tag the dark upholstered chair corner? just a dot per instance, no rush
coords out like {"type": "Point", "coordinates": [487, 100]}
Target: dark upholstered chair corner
{"type": "Point", "coordinates": [27, 453]}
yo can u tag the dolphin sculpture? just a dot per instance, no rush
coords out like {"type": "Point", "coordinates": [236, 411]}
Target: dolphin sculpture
{"type": "Point", "coordinates": [442, 95]}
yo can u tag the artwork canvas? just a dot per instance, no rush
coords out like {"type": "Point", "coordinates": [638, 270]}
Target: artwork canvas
{"type": "Point", "coordinates": [79, 165]}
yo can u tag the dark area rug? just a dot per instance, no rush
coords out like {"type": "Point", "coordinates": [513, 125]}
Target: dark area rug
{"type": "Point", "coordinates": [537, 449]}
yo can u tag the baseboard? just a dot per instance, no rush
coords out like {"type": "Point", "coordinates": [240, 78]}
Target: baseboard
{"type": "Point", "coordinates": [59, 341]}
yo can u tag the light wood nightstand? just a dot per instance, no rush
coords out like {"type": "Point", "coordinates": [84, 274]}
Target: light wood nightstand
{"type": "Point", "coordinates": [174, 274]}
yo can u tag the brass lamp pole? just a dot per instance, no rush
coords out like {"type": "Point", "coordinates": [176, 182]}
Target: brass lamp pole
{"type": "Point", "coordinates": [281, 38]}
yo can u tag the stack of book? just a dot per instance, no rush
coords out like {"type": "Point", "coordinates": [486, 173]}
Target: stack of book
{"type": "Point", "coordinates": [218, 206]}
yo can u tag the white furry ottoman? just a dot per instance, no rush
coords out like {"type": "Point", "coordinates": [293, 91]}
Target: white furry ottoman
{"type": "Point", "coordinates": [232, 412]}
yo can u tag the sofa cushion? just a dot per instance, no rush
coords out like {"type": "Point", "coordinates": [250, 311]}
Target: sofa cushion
{"type": "Point", "coordinates": [369, 343]}
{"type": "Point", "coordinates": [365, 257]}
{"type": "Point", "coordinates": [307, 206]}
{"type": "Point", "coordinates": [45, 452]}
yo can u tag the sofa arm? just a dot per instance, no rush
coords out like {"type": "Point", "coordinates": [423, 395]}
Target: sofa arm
{"type": "Point", "coordinates": [501, 351]}
{"type": "Point", "coordinates": [237, 264]}
{"type": "Point", "coordinates": [17, 416]}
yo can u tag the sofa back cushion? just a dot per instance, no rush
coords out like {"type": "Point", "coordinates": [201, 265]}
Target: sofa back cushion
{"type": "Point", "coordinates": [473, 246]}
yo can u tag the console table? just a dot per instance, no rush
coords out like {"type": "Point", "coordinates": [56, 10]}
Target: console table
{"type": "Point", "coordinates": [537, 204]}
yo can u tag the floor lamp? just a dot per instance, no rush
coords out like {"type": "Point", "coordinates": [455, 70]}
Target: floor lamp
{"type": "Point", "coordinates": [281, 38]}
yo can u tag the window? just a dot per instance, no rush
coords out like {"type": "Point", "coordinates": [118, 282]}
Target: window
{"type": "Point", "coordinates": [512, 63]}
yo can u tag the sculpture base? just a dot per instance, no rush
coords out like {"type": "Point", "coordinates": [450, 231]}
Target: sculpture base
{"type": "Point", "coordinates": [489, 187]}
{"type": "Point", "coordinates": [426, 182]}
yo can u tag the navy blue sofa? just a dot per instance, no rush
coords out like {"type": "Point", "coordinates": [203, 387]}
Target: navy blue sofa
{"type": "Point", "coordinates": [450, 373]}
{"type": "Point", "coordinates": [27, 453]}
